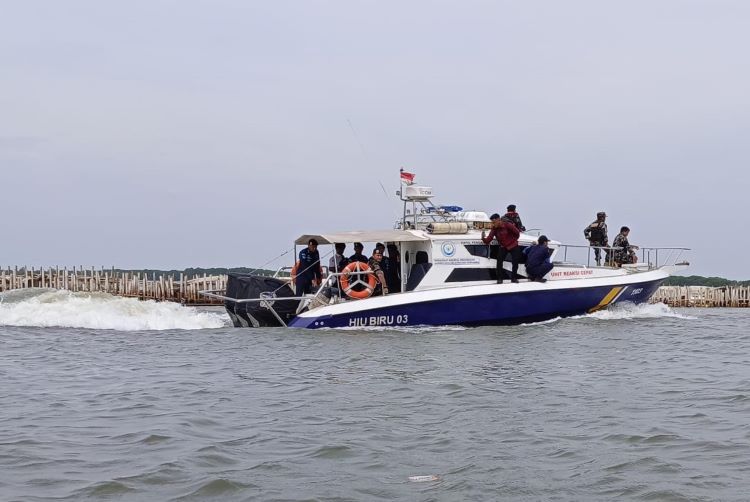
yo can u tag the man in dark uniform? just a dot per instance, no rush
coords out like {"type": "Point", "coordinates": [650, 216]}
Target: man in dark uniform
{"type": "Point", "coordinates": [537, 261]}
{"type": "Point", "coordinates": [308, 270]}
{"type": "Point", "coordinates": [358, 256]}
{"type": "Point", "coordinates": [512, 217]}
{"type": "Point", "coordinates": [596, 234]}
{"type": "Point", "coordinates": [507, 236]}
{"type": "Point", "coordinates": [392, 268]}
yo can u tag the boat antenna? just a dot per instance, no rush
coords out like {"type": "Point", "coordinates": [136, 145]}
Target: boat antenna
{"type": "Point", "coordinates": [272, 260]}
{"type": "Point", "coordinates": [361, 146]}
{"type": "Point", "coordinates": [367, 158]}
{"type": "Point", "coordinates": [381, 186]}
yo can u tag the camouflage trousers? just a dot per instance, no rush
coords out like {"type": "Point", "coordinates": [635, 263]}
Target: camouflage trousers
{"type": "Point", "coordinates": [598, 251]}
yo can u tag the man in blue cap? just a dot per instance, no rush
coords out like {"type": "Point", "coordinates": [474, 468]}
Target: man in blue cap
{"type": "Point", "coordinates": [537, 260]}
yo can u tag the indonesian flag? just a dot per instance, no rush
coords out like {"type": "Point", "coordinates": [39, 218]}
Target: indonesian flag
{"type": "Point", "coordinates": [407, 178]}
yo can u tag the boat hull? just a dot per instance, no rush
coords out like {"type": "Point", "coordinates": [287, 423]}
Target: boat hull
{"type": "Point", "coordinates": [501, 304]}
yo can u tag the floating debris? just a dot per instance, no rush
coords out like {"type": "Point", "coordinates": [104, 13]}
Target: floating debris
{"type": "Point", "coordinates": [422, 479]}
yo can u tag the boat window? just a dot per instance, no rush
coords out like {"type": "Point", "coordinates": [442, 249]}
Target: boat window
{"type": "Point", "coordinates": [418, 271]}
{"type": "Point", "coordinates": [472, 275]}
{"type": "Point", "coordinates": [480, 249]}
{"type": "Point", "coordinates": [485, 251]}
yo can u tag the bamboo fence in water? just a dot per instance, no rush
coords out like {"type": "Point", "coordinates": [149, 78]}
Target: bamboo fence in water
{"type": "Point", "coordinates": [184, 289]}
{"type": "Point", "coordinates": [163, 287]}
{"type": "Point", "coordinates": [703, 296]}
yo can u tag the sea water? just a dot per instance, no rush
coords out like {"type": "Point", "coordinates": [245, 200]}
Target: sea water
{"type": "Point", "coordinates": [107, 398]}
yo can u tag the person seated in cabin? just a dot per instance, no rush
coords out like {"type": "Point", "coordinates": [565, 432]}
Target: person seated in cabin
{"type": "Point", "coordinates": [538, 259]}
{"type": "Point", "coordinates": [392, 269]}
{"type": "Point", "coordinates": [308, 269]}
{"type": "Point", "coordinates": [507, 236]}
{"type": "Point", "coordinates": [358, 256]}
{"type": "Point", "coordinates": [338, 261]}
{"type": "Point", "coordinates": [512, 217]}
{"type": "Point", "coordinates": [336, 264]}
{"type": "Point", "coordinates": [382, 287]}
{"type": "Point", "coordinates": [596, 234]}
{"type": "Point", "coordinates": [624, 252]}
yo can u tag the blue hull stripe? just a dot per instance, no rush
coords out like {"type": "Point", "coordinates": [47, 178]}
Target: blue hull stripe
{"type": "Point", "coordinates": [494, 309]}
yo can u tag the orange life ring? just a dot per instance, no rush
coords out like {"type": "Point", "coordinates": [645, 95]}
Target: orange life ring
{"type": "Point", "coordinates": [356, 267]}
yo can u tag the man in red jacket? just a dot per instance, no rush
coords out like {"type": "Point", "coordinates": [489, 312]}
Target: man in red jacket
{"type": "Point", "coordinates": [507, 236]}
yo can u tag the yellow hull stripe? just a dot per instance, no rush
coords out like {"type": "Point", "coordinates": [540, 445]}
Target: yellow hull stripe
{"type": "Point", "coordinates": [607, 298]}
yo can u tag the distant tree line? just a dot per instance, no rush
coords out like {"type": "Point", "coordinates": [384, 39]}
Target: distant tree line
{"type": "Point", "coordinates": [697, 280]}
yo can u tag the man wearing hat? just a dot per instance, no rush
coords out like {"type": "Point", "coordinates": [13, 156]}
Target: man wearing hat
{"type": "Point", "coordinates": [537, 260]}
{"type": "Point", "coordinates": [308, 269]}
{"type": "Point", "coordinates": [358, 256]}
{"type": "Point", "coordinates": [512, 217]}
{"type": "Point", "coordinates": [596, 234]}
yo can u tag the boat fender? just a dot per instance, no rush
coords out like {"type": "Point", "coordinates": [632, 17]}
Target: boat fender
{"type": "Point", "coordinates": [356, 267]}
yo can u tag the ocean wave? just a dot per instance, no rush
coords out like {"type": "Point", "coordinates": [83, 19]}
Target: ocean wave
{"type": "Point", "coordinates": [50, 307]}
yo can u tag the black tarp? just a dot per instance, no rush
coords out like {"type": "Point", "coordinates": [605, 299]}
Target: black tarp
{"type": "Point", "coordinates": [256, 314]}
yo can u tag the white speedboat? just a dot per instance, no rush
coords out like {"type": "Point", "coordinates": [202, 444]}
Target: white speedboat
{"type": "Point", "coordinates": [447, 277]}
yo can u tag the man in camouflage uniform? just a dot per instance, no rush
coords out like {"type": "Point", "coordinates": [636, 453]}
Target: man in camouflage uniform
{"type": "Point", "coordinates": [625, 252]}
{"type": "Point", "coordinates": [596, 234]}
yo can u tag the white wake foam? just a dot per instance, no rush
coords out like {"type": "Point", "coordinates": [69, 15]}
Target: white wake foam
{"type": "Point", "coordinates": [633, 311]}
{"type": "Point", "coordinates": [622, 311]}
{"type": "Point", "coordinates": [45, 308]}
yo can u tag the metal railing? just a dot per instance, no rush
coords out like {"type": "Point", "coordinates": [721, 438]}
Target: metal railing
{"type": "Point", "coordinates": [654, 257]}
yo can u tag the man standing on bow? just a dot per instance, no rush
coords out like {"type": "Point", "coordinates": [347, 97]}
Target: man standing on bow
{"type": "Point", "coordinates": [512, 217]}
{"type": "Point", "coordinates": [507, 236]}
{"type": "Point", "coordinates": [596, 234]}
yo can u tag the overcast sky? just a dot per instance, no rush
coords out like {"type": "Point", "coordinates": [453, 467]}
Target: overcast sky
{"type": "Point", "coordinates": [168, 134]}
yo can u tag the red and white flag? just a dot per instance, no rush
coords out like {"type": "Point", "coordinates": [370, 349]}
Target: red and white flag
{"type": "Point", "coordinates": [407, 178]}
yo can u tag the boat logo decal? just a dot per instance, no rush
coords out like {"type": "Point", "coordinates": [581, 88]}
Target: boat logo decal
{"type": "Point", "coordinates": [448, 249]}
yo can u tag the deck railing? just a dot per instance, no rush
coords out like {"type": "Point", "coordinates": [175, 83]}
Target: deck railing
{"type": "Point", "coordinates": [654, 257]}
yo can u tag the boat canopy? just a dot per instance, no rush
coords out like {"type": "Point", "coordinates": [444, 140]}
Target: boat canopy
{"type": "Point", "coordinates": [363, 236]}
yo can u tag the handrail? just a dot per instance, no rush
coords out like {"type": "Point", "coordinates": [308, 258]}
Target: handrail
{"type": "Point", "coordinates": [211, 294]}
{"type": "Point", "coordinates": [673, 253]}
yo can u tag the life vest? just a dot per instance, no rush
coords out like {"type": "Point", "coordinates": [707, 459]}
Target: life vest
{"type": "Point", "coordinates": [594, 232]}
